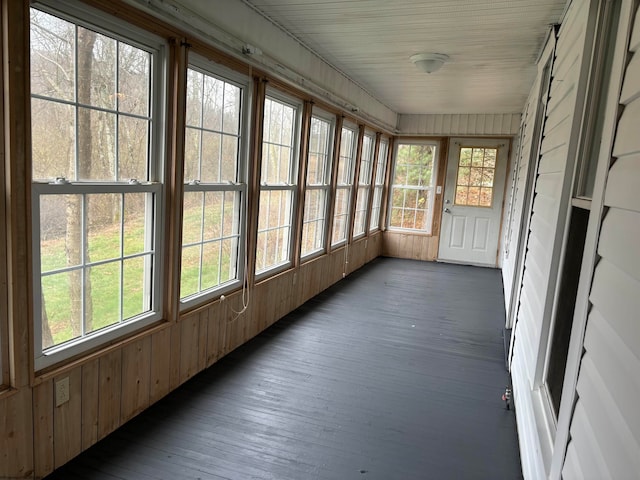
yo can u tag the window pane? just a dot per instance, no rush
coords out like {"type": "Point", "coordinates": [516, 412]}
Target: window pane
{"type": "Point", "coordinates": [190, 271]}
{"type": "Point", "coordinates": [61, 308]}
{"type": "Point", "coordinates": [274, 225]}
{"type": "Point", "coordinates": [210, 172]}
{"type": "Point", "coordinates": [192, 217]}
{"type": "Point", "coordinates": [341, 215]}
{"type": "Point", "coordinates": [53, 134]}
{"type": "Point", "coordinates": [345, 162]}
{"type": "Point", "coordinates": [212, 103]}
{"type": "Point", "coordinates": [96, 145]}
{"type": "Point", "coordinates": [53, 46]}
{"type": "Point", "coordinates": [412, 188]}
{"type": "Point", "coordinates": [192, 154]}
{"type": "Point", "coordinates": [60, 231]}
{"type": "Point", "coordinates": [231, 120]}
{"type": "Point", "coordinates": [195, 84]}
{"type": "Point", "coordinates": [210, 265]}
{"type": "Point", "coordinates": [133, 148]}
{"type": "Point", "coordinates": [480, 174]}
{"type": "Point", "coordinates": [103, 214]}
{"type": "Point", "coordinates": [102, 296]}
{"type": "Point", "coordinates": [133, 77]}
{"type": "Point", "coordinates": [136, 286]}
{"type": "Point", "coordinates": [96, 69]}
{"type": "Point", "coordinates": [314, 221]}
{"type": "Point", "coordinates": [135, 206]}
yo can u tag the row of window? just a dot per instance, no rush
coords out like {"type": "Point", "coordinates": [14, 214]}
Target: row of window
{"type": "Point", "coordinates": [98, 196]}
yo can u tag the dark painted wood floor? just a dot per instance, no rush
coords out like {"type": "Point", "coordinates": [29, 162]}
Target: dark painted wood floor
{"type": "Point", "coordinates": [397, 372]}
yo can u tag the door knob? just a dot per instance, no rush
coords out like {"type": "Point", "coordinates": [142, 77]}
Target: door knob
{"type": "Point", "coordinates": [447, 210]}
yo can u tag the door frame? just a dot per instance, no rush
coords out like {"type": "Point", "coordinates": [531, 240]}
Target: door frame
{"type": "Point", "coordinates": [442, 178]}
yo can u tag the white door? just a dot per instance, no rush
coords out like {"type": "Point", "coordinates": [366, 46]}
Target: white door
{"type": "Point", "coordinates": [472, 207]}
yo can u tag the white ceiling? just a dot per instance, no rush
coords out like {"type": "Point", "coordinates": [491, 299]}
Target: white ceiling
{"type": "Point", "coordinates": [492, 45]}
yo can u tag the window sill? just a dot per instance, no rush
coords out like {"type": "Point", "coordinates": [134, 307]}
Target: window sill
{"type": "Point", "coordinates": [7, 391]}
{"type": "Point", "coordinates": [65, 365]}
{"type": "Point", "coordinates": [401, 231]}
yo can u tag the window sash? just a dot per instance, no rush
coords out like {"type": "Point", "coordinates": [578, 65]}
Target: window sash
{"type": "Point", "coordinates": [341, 218]}
{"type": "Point", "coordinates": [323, 162]}
{"type": "Point", "coordinates": [344, 185]}
{"type": "Point", "coordinates": [320, 235]}
{"type": "Point", "coordinates": [222, 183]}
{"type": "Point", "coordinates": [378, 188]}
{"type": "Point", "coordinates": [125, 36]}
{"type": "Point", "coordinates": [151, 253]}
{"type": "Point", "coordinates": [265, 231]}
{"type": "Point", "coordinates": [283, 229]}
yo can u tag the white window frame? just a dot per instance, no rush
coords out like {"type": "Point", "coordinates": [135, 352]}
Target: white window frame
{"type": "Point", "coordinates": [364, 185]}
{"type": "Point", "coordinates": [325, 186]}
{"type": "Point", "coordinates": [201, 65]}
{"type": "Point", "coordinates": [430, 187]}
{"type": "Point", "coordinates": [378, 184]}
{"type": "Point", "coordinates": [290, 186]}
{"type": "Point", "coordinates": [346, 186]}
{"type": "Point", "coordinates": [80, 14]}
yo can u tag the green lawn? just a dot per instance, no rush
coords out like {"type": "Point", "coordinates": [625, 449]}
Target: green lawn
{"type": "Point", "coordinates": [105, 280]}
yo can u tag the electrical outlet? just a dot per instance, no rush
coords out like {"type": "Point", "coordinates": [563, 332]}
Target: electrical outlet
{"type": "Point", "coordinates": [62, 391]}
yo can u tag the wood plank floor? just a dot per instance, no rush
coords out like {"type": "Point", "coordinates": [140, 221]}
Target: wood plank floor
{"type": "Point", "coordinates": [396, 372]}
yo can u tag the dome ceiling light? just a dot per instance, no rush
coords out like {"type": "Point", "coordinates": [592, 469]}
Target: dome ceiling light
{"type": "Point", "coordinates": [429, 62]}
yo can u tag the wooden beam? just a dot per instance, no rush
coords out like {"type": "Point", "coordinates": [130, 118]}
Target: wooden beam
{"type": "Point", "coordinates": [337, 139]}
{"type": "Point", "coordinates": [175, 133]}
{"type": "Point", "coordinates": [17, 146]}
{"type": "Point", "coordinates": [302, 182]}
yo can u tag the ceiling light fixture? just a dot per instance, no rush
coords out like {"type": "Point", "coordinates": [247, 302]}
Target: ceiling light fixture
{"type": "Point", "coordinates": [429, 62]}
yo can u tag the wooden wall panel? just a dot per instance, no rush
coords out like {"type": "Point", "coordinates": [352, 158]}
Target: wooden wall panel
{"type": "Point", "coordinates": [203, 328]}
{"type": "Point", "coordinates": [216, 329]}
{"type": "Point", "coordinates": [67, 420]}
{"type": "Point", "coordinates": [408, 245]}
{"type": "Point", "coordinates": [110, 389]}
{"type": "Point", "coordinates": [136, 377]}
{"type": "Point", "coordinates": [90, 396]}
{"type": "Point", "coordinates": [43, 401]}
{"type": "Point", "coordinates": [189, 343]}
{"type": "Point", "coordinates": [16, 443]}
{"type": "Point", "coordinates": [160, 369]}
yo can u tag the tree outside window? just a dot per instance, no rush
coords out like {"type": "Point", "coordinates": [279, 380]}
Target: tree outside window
{"type": "Point", "coordinates": [95, 171]}
{"type": "Point", "coordinates": [214, 189]}
{"type": "Point", "coordinates": [412, 188]}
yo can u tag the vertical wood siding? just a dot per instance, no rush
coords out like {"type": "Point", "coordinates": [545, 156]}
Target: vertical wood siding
{"type": "Point", "coordinates": [111, 389]}
{"type": "Point", "coordinates": [459, 124]}
{"type": "Point", "coordinates": [605, 428]}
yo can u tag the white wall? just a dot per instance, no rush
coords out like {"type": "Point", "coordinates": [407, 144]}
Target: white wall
{"type": "Point", "coordinates": [597, 432]}
{"type": "Point", "coordinates": [605, 428]}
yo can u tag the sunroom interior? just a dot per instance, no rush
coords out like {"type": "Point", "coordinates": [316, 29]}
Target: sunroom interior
{"type": "Point", "coordinates": [188, 187]}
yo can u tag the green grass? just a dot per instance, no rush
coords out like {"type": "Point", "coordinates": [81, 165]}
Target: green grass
{"type": "Point", "coordinates": [105, 280]}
